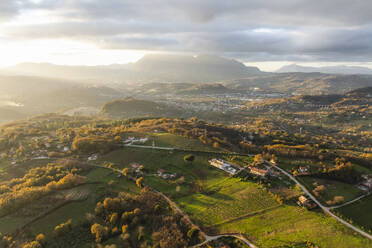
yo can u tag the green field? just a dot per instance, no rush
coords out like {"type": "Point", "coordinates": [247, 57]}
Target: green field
{"type": "Point", "coordinates": [198, 172]}
{"type": "Point", "coordinates": [217, 198]}
{"type": "Point", "coordinates": [225, 200]}
{"type": "Point", "coordinates": [359, 212]}
{"type": "Point", "coordinates": [333, 188]}
{"type": "Point", "coordinates": [287, 226]}
{"type": "Point", "coordinates": [171, 140]}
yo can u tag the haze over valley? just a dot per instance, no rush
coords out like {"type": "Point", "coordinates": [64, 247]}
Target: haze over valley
{"type": "Point", "coordinates": [185, 124]}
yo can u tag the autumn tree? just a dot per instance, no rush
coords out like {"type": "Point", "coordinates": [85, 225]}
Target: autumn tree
{"type": "Point", "coordinates": [125, 172]}
{"type": "Point", "coordinates": [139, 182]}
{"type": "Point", "coordinates": [189, 158]}
{"type": "Point", "coordinates": [99, 231]}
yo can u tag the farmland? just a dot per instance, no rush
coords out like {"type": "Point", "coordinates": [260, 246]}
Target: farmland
{"type": "Point", "coordinates": [358, 212]}
{"type": "Point", "coordinates": [291, 226]}
{"type": "Point", "coordinates": [225, 200]}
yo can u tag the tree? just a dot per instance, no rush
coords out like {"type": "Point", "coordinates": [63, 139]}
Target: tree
{"type": "Point", "coordinates": [33, 244]}
{"type": "Point", "coordinates": [63, 228]}
{"type": "Point", "coordinates": [114, 218]}
{"type": "Point", "coordinates": [99, 231]}
{"type": "Point", "coordinates": [258, 159]}
{"type": "Point", "coordinates": [124, 228]}
{"type": "Point", "coordinates": [125, 172]}
{"type": "Point", "coordinates": [139, 182]}
{"type": "Point", "coordinates": [41, 239]}
{"type": "Point", "coordinates": [189, 158]}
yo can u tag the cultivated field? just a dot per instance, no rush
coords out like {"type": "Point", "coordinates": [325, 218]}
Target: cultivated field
{"type": "Point", "coordinates": [359, 212]}
{"type": "Point", "coordinates": [290, 226]}
{"type": "Point", "coordinates": [225, 200]}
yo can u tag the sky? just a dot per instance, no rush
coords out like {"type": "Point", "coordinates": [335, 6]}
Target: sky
{"type": "Point", "coordinates": [268, 33]}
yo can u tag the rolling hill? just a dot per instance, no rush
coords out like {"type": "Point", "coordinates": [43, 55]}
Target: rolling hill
{"type": "Point", "coordinates": [130, 107]}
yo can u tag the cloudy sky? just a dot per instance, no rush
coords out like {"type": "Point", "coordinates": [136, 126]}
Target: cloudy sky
{"type": "Point", "coordinates": [267, 33]}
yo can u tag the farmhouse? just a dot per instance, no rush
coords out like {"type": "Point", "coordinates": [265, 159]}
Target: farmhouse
{"type": "Point", "coordinates": [367, 184]}
{"type": "Point", "coordinates": [129, 140]}
{"type": "Point", "coordinates": [259, 172]}
{"type": "Point", "coordinates": [223, 165]}
{"type": "Point", "coordinates": [133, 140]}
{"type": "Point", "coordinates": [305, 202]}
{"type": "Point", "coordinates": [302, 200]}
{"type": "Point", "coordinates": [162, 173]}
{"type": "Point", "coordinates": [93, 157]}
{"type": "Point", "coordinates": [135, 167]}
{"type": "Point", "coordinates": [303, 170]}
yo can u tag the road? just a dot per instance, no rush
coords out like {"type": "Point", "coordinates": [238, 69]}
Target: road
{"type": "Point", "coordinates": [151, 147]}
{"type": "Point", "coordinates": [350, 202]}
{"type": "Point", "coordinates": [327, 210]}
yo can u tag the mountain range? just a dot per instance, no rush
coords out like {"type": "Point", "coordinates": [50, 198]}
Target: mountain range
{"type": "Point", "coordinates": [343, 69]}
{"type": "Point", "coordinates": [151, 68]}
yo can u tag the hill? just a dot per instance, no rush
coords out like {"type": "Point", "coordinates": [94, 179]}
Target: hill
{"type": "Point", "coordinates": [130, 107]}
{"type": "Point", "coordinates": [28, 95]}
{"type": "Point", "coordinates": [302, 83]}
{"type": "Point", "coordinates": [159, 70]}
{"type": "Point", "coordinates": [326, 69]}
{"type": "Point", "coordinates": [215, 88]}
{"type": "Point", "coordinates": [196, 69]}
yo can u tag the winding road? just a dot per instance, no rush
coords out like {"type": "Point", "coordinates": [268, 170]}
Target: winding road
{"type": "Point", "coordinates": [327, 210]}
{"type": "Point", "coordinates": [208, 238]}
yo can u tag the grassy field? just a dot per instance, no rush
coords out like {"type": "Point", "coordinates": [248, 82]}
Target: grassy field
{"type": "Point", "coordinates": [171, 140]}
{"type": "Point", "coordinates": [288, 226]}
{"type": "Point", "coordinates": [209, 195]}
{"type": "Point", "coordinates": [333, 188]}
{"type": "Point", "coordinates": [359, 212]}
{"type": "Point", "coordinates": [225, 200]}
{"type": "Point", "coordinates": [11, 223]}
{"type": "Point", "coordinates": [197, 173]}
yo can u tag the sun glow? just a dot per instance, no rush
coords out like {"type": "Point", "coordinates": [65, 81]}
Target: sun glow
{"type": "Point", "coordinates": [66, 52]}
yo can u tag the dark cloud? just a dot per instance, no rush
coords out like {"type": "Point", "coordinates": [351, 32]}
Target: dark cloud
{"type": "Point", "coordinates": [254, 30]}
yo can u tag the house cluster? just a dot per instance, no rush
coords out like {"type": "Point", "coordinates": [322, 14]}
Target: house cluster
{"type": "Point", "coordinates": [63, 148]}
{"type": "Point", "coordinates": [134, 140]}
{"type": "Point", "coordinates": [223, 165]}
{"type": "Point", "coordinates": [366, 184]}
{"type": "Point", "coordinates": [303, 170]}
{"type": "Point", "coordinates": [165, 175]}
{"type": "Point", "coordinates": [93, 157]}
{"type": "Point", "coordinates": [304, 201]}
{"type": "Point", "coordinates": [39, 154]}
{"type": "Point", "coordinates": [263, 170]}
{"type": "Point", "coordinates": [136, 167]}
